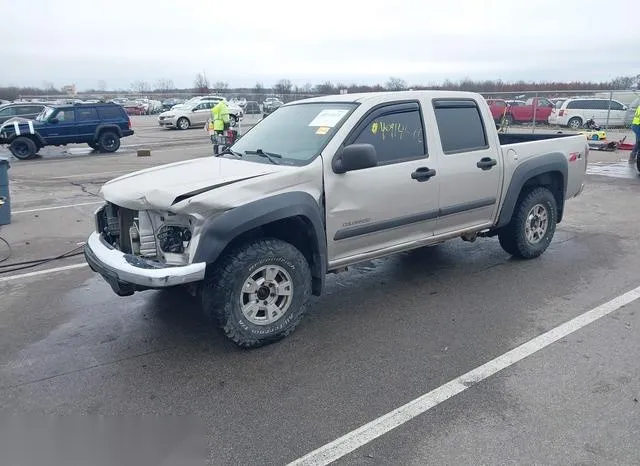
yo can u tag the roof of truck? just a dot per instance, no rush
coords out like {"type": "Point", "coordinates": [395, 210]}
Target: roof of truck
{"type": "Point", "coordinates": [386, 95]}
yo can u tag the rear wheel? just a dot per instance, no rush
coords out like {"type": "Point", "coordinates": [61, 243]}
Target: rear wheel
{"type": "Point", "coordinates": [108, 142]}
{"type": "Point", "coordinates": [532, 226]}
{"type": "Point", "coordinates": [23, 148]}
{"type": "Point", "coordinates": [575, 123]}
{"type": "Point", "coordinates": [259, 293]}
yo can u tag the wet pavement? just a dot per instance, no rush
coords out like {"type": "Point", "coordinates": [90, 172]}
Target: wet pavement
{"type": "Point", "coordinates": [385, 332]}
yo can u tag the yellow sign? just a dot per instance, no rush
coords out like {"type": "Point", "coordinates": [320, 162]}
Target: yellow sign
{"type": "Point", "coordinates": [322, 130]}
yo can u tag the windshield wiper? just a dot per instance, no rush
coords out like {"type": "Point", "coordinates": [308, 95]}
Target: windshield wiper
{"type": "Point", "coordinates": [231, 152]}
{"type": "Point", "coordinates": [267, 155]}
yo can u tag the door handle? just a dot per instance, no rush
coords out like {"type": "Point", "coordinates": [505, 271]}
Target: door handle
{"type": "Point", "coordinates": [423, 174]}
{"type": "Point", "coordinates": [486, 163]}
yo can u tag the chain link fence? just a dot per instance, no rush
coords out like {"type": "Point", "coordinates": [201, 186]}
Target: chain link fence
{"type": "Point", "coordinates": [526, 110]}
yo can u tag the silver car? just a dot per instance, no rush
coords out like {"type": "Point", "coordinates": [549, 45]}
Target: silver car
{"type": "Point", "coordinates": [195, 113]}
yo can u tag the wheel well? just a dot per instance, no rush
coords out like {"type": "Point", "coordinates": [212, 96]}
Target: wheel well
{"type": "Point", "coordinates": [297, 231]}
{"type": "Point", "coordinates": [31, 137]}
{"type": "Point", "coordinates": [110, 129]}
{"type": "Point", "coordinates": [554, 182]}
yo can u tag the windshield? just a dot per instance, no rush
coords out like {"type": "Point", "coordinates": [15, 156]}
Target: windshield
{"type": "Point", "coordinates": [297, 132]}
{"type": "Point", "coordinates": [45, 114]}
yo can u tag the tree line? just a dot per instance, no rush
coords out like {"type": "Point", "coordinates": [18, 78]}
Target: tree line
{"type": "Point", "coordinates": [284, 87]}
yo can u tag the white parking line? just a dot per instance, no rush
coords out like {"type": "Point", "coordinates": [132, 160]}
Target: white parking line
{"type": "Point", "coordinates": [380, 426]}
{"type": "Point", "coordinates": [42, 272]}
{"type": "Point", "coordinates": [40, 209]}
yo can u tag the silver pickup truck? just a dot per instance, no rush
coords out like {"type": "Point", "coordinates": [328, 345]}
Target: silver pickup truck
{"type": "Point", "coordinates": [324, 183]}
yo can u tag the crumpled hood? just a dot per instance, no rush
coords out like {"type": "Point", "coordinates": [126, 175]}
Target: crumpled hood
{"type": "Point", "coordinates": [167, 185]}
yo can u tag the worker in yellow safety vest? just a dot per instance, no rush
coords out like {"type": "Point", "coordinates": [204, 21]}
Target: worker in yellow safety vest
{"type": "Point", "coordinates": [635, 127]}
{"type": "Point", "coordinates": [220, 119]}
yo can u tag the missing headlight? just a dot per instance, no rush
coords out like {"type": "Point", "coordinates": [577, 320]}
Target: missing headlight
{"type": "Point", "coordinates": [173, 239]}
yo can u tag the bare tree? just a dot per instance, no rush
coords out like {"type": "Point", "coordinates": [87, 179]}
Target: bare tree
{"type": "Point", "coordinates": [140, 87]}
{"type": "Point", "coordinates": [325, 88]}
{"type": "Point", "coordinates": [307, 88]}
{"type": "Point", "coordinates": [164, 85]}
{"type": "Point", "coordinates": [396, 84]}
{"type": "Point", "coordinates": [102, 85]}
{"type": "Point", "coordinates": [283, 86]}
{"type": "Point", "coordinates": [201, 83]}
{"type": "Point", "coordinates": [48, 86]}
{"type": "Point", "coordinates": [220, 86]}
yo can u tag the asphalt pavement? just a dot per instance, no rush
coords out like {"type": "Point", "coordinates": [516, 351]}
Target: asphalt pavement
{"type": "Point", "coordinates": [385, 333]}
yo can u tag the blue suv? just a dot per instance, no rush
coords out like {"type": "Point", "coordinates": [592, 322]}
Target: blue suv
{"type": "Point", "coordinates": [101, 126]}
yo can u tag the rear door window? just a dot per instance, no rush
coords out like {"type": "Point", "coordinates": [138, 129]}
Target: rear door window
{"type": "Point", "coordinates": [460, 126]}
{"type": "Point", "coordinates": [7, 112]}
{"type": "Point", "coordinates": [87, 114]}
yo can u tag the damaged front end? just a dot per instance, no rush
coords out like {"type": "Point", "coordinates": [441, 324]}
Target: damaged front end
{"type": "Point", "coordinates": [138, 250]}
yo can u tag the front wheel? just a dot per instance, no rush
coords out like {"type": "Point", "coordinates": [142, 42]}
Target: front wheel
{"type": "Point", "coordinates": [183, 123]}
{"type": "Point", "coordinates": [259, 293]}
{"type": "Point", "coordinates": [233, 121]}
{"type": "Point", "coordinates": [23, 148]}
{"type": "Point", "coordinates": [532, 226]}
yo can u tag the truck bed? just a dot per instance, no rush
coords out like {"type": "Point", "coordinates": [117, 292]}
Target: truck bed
{"type": "Point", "coordinates": [514, 138]}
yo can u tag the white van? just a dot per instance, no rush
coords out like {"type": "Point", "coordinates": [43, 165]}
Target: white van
{"type": "Point", "coordinates": [575, 111]}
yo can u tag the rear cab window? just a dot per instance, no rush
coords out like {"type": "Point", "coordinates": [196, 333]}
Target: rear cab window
{"type": "Point", "coordinates": [460, 125]}
{"type": "Point", "coordinates": [87, 114]}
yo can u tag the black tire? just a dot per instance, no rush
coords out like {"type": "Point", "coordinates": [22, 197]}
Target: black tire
{"type": "Point", "coordinates": [513, 237]}
{"type": "Point", "coordinates": [233, 120]}
{"type": "Point", "coordinates": [108, 141]}
{"type": "Point", "coordinates": [638, 162]}
{"type": "Point", "coordinates": [575, 123]}
{"type": "Point", "coordinates": [23, 148]}
{"type": "Point", "coordinates": [223, 297]}
{"type": "Point", "coordinates": [183, 123]}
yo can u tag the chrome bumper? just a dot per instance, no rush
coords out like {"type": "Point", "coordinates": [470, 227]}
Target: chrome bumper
{"type": "Point", "coordinates": [127, 273]}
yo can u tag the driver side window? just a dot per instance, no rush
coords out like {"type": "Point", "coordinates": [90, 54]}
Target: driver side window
{"type": "Point", "coordinates": [397, 136]}
{"type": "Point", "coordinates": [65, 115]}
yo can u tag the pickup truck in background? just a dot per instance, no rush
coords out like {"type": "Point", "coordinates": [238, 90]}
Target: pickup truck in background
{"type": "Point", "coordinates": [538, 106]}
{"type": "Point", "coordinates": [324, 183]}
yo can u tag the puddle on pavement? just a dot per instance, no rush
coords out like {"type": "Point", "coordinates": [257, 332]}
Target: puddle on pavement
{"type": "Point", "coordinates": [614, 170]}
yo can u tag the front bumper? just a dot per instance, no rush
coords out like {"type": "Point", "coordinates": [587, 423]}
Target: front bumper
{"type": "Point", "coordinates": [127, 273]}
{"type": "Point", "coordinates": [168, 122]}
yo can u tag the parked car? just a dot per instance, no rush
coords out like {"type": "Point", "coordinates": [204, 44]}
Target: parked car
{"type": "Point", "coordinates": [631, 110]}
{"type": "Point", "coordinates": [195, 113]}
{"type": "Point", "coordinates": [270, 104]}
{"type": "Point", "coordinates": [574, 112]}
{"type": "Point", "coordinates": [23, 110]}
{"type": "Point", "coordinates": [252, 108]}
{"type": "Point", "coordinates": [540, 107]}
{"type": "Point", "coordinates": [101, 126]}
{"type": "Point", "coordinates": [325, 183]}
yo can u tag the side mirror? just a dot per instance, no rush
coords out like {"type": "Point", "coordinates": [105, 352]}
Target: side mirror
{"type": "Point", "coordinates": [53, 121]}
{"type": "Point", "coordinates": [355, 157]}
{"type": "Point", "coordinates": [194, 109]}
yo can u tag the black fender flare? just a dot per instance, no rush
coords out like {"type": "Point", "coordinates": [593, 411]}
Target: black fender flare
{"type": "Point", "coordinates": [220, 230]}
{"type": "Point", "coordinates": [101, 128]}
{"type": "Point", "coordinates": [35, 135]}
{"type": "Point", "coordinates": [552, 162]}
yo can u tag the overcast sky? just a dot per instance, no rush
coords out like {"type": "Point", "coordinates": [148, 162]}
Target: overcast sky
{"type": "Point", "coordinates": [363, 41]}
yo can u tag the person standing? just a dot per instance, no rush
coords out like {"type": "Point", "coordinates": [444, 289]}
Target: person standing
{"type": "Point", "coordinates": [635, 127]}
{"type": "Point", "coordinates": [220, 117]}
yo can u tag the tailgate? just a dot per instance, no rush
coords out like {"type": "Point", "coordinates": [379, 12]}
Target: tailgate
{"type": "Point", "coordinates": [578, 154]}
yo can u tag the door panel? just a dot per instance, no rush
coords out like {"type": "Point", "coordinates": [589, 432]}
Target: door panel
{"type": "Point", "coordinates": [58, 133]}
{"type": "Point", "coordinates": [386, 205]}
{"type": "Point", "coordinates": [87, 121]}
{"type": "Point", "coordinates": [470, 170]}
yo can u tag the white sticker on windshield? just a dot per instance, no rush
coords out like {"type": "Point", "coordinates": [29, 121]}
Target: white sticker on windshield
{"type": "Point", "coordinates": [328, 118]}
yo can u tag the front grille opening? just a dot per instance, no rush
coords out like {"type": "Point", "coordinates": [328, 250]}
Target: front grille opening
{"type": "Point", "coordinates": [114, 223]}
